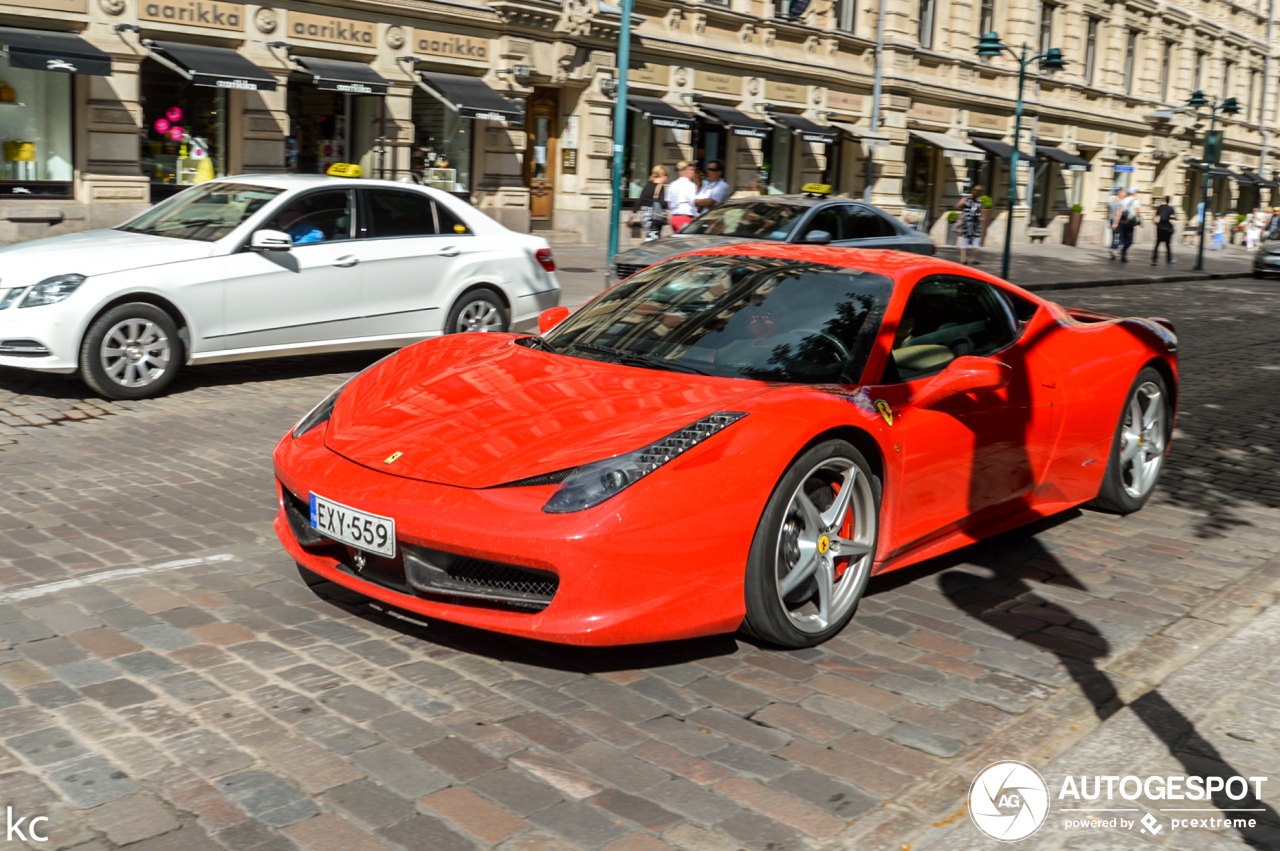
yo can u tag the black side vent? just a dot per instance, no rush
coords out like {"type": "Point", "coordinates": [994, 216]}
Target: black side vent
{"type": "Point", "coordinates": [545, 479]}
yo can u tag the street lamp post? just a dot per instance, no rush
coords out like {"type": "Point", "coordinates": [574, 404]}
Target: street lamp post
{"type": "Point", "coordinates": [1051, 60]}
{"type": "Point", "coordinates": [619, 126]}
{"type": "Point", "coordinates": [1228, 107]}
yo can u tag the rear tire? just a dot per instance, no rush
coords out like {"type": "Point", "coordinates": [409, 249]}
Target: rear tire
{"type": "Point", "coordinates": [1139, 446]}
{"type": "Point", "coordinates": [812, 553]}
{"type": "Point", "coordinates": [479, 309]}
{"type": "Point", "coordinates": [131, 352]}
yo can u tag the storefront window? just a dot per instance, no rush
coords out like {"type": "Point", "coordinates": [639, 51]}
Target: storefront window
{"type": "Point", "coordinates": [35, 129]}
{"type": "Point", "coordinates": [318, 132]}
{"type": "Point", "coordinates": [442, 144]}
{"type": "Point", "coordinates": [777, 162]}
{"type": "Point", "coordinates": [1124, 179]}
{"type": "Point", "coordinates": [184, 130]}
{"type": "Point", "coordinates": [639, 154]}
{"type": "Point", "coordinates": [916, 182]}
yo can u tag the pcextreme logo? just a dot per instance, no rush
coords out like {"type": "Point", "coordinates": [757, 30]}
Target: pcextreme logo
{"type": "Point", "coordinates": [1008, 801]}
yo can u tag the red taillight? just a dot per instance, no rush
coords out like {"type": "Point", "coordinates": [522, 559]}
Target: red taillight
{"type": "Point", "coordinates": [543, 256]}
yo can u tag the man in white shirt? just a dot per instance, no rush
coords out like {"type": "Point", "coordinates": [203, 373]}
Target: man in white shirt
{"type": "Point", "coordinates": [682, 196]}
{"type": "Point", "coordinates": [715, 191]}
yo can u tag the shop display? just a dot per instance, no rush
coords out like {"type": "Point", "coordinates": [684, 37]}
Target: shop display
{"type": "Point", "coordinates": [35, 129]}
{"type": "Point", "coordinates": [184, 137]}
{"type": "Point", "coordinates": [442, 145]}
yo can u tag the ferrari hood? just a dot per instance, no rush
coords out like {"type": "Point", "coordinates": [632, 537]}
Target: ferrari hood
{"type": "Point", "coordinates": [476, 410]}
{"type": "Point", "coordinates": [96, 252]}
{"type": "Point", "coordinates": [648, 253]}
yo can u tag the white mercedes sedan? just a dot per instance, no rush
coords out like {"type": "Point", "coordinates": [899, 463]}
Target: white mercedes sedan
{"type": "Point", "coordinates": [258, 266]}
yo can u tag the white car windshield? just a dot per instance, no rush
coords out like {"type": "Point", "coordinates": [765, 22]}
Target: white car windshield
{"type": "Point", "coordinates": [205, 213]}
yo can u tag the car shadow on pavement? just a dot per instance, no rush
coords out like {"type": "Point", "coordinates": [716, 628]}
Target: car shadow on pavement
{"type": "Point", "coordinates": [975, 594]}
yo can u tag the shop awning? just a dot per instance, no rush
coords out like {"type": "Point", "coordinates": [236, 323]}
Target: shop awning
{"type": "Point", "coordinates": [950, 145]}
{"type": "Point", "coordinates": [470, 97]}
{"type": "Point", "coordinates": [1246, 178]}
{"type": "Point", "coordinates": [1215, 172]}
{"type": "Point", "coordinates": [1264, 183]}
{"type": "Point", "coordinates": [1070, 162]}
{"type": "Point", "coordinates": [738, 122]}
{"type": "Point", "coordinates": [806, 129]}
{"type": "Point", "coordinates": [659, 112]}
{"type": "Point", "coordinates": [869, 138]}
{"type": "Point", "coordinates": [38, 50]}
{"type": "Point", "coordinates": [219, 67]}
{"type": "Point", "coordinates": [334, 75]}
{"type": "Point", "coordinates": [1000, 149]}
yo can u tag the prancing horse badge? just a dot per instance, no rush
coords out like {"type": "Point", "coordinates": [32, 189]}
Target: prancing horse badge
{"type": "Point", "coordinates": [393, 457]}
{"type": "Point", "coordinates": [885, 411]}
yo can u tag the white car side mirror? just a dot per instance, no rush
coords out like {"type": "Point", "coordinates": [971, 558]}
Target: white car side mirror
{"type": "Point", "coordinates": [270, 240]}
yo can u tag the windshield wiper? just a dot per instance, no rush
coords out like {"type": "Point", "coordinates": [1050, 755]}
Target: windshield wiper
{"type": "Point", "coordinates": [536, 342]}
{"type": "Point", "coordinates": [638, 359]}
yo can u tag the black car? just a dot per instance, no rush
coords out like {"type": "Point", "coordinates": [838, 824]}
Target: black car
{"type": "Point", "coordinates": [811, 219]}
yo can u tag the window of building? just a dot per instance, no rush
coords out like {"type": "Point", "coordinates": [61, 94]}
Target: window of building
{"type": "Point", "coordinates": [638, 155]}
{"type": "Point", "coordinates": [846, 15]}
{"type": "Point", "coordinates": [986, 17]}
{"type": "Point", "coordinates": [1124, 179]}
{"type": "Point", "coordinates": [1197, 71]}
{"type": "Point", "coordinates": [1090, 50]}
{"type": "Point", "coordinates": [1227, 69]}
{"type": "Point", "coordinates": [1046, 26]}
{"type": "Point", "coordinates": [926, 22]}
{"type": "Point", "coordinates": [442, 144]}
{"type": "Point", "coordinates": [777, 148]}
{"type": "Point", "coordinates": [917, 182]}
{"type": "Point", "coordinates": [184, 130]}
{"type": "Point", "coordinates": [1250, 107]}
{"type": "Point", "coordinates": [35, 129]}
{"type": "Point", "coordinates": [1164, 70]}
{"type": "Point", "coordinates": [1130, 54]}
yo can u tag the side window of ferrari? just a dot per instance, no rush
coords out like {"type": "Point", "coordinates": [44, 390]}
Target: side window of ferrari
{"type": "Point", "coordinates": [948, 316]}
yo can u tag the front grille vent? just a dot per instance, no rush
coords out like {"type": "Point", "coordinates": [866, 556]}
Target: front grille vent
{"type": "Point", "coordinates": [626, 270]}
{"type": "Point", "coordinates": [545, 479]}
{"type": "Point", "coordinates": [477, 580]}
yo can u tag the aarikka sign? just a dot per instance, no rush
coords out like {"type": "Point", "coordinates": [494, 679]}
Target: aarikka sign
{"type": "Point", "coordinates": [334, 30]}
{"type": "Point", "coordinates": [199, 13]}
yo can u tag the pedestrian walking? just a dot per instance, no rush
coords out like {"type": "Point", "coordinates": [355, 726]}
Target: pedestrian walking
{"type": "Point", "coordinates": [1252, 229]}
{"type": "Point", "coordinates": [1273, 224]}
{"type": "Point", "coordinates": [1164, 231]}
{"type": "Point", "coordinates": [1113, 216]}
{"type": "Point", "coordinates": [1128, 217]}
{"type": "Point", "coordinates": [651, 205]}
{"type": "Point", "coordinates": [1219, 231]}
{"type": "Point", "coordinates": [714, 190]}
{"type": "Point", "coordinates": [682, 195]}
{"type": "Point", "coordinates": [969, 225]}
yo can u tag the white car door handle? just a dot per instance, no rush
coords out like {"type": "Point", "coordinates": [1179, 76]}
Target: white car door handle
{"type": "Point", "coordinates": [346, 262]}
{"type": "Point", "coordinates": [448, 251]}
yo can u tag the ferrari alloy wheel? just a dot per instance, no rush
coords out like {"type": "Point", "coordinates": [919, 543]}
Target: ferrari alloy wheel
{"type": "Point", "coordinates": [478, 310]}
{"type": "Point", "coordinates": [1137, 453]}
{"type": "Point", "coordinates": [131, 352]}
{"type": "Point", "coordinates": [812, 553]}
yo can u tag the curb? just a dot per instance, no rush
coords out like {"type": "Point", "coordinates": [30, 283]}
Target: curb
{"type": "Point", "coordinates": [1136, 281]}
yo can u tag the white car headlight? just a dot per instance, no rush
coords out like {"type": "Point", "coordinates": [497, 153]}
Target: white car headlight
{"type": "Point", "coordinates": [52, 290]}
{"type": "Point", "coordinates": [11, 297]}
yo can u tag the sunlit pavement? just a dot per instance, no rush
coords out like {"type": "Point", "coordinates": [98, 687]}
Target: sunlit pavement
{"type": "Point", "coordinates": [169, 683]}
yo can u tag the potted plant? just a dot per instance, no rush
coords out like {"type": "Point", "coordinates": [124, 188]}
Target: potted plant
{"type": "Point", "coordinates": [987, 215]}
{"type": "Point", "coordinates": [1071, 233]}
{"type": "Point", "coordinates": [952, 236]}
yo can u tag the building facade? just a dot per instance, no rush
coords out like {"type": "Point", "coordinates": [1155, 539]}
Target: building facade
{"type": "Point", "coordinates": [107, 106]}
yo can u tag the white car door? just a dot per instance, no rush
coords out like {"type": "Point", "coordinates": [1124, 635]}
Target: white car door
{"type": "Point", "coordinates": [311, 294]}
{"type": "Point", "coordinates": [412, 248]}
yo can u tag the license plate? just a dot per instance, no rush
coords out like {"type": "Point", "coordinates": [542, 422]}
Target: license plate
{"type": "Point", "coordinates": [360, 529]}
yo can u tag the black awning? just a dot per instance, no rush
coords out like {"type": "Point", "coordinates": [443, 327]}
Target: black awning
{"type": "Point", "coordinates": [219, 67]}
{"type": "Point", "coordinates": [806, 129]}
{"type": "Point", "coordinates": [471, 97]}
{"type": "Point", "coordinates": [1070, 162]}
{"type": "Point", "coordinates": [335, 75]}
{"type": "Point", "coordinates": [737, 121]}
{"type": "Point", "coordinates": [38, 50]}
{"type": "Point", "coordinates": [1215, 172]}
{"type": "Point", "coordinates": [659, 112]}
{"type": "Point", "coordinates": [1000, 149]}
{"type": "Point", "coordinates": [1247, 178]}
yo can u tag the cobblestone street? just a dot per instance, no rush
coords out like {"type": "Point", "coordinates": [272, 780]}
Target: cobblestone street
{"type": "Point", "coordinates": [168, 682]}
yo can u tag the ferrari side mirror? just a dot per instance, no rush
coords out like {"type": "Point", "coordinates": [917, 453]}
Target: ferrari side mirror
{"type": "Point", "coordinates": [965, 374]}
{"type": "Point", "coordinates": [551, 317]}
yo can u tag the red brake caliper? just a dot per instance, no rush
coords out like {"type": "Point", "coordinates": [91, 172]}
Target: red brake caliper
{"type": "Point", "coordinates": [846, 532]}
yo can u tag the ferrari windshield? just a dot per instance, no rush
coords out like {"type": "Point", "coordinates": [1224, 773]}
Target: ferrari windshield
{"type": "Point", "coordinates": [753, 220]}
{"type": "Point", "coordinates": [206, 213]}
{"type": "Point", "coordinates": [764, 318]}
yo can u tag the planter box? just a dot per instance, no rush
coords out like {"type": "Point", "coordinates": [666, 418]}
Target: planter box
{"type": "Point", "coordinates": [1071, 233]}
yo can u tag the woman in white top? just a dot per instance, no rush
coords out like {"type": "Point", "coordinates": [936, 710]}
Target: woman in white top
{"type": "Point", "coordinates": [1252, 230]}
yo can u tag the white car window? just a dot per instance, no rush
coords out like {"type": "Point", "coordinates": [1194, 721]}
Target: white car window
{"type": "Point", "coordinates": [316, 217]}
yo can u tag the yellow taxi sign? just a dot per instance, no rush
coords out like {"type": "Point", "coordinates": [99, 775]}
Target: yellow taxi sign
{"type": "Point", "coordinates": [816, 189]}
{"type": "Point", "coordinates": [344, 170]}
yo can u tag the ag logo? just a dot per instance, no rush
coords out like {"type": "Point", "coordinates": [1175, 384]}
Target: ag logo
{"type": "Point", "coordinates": [1008, 801]}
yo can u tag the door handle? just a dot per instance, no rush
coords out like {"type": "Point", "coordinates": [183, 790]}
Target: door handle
{"type": "Point", "coordinates": [448, 251]}
{"type": "Point", "coordinates": [346, 262]}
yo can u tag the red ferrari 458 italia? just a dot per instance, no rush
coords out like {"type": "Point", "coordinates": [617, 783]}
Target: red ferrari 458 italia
{"type": "Point", "coordinates": [734, 438]}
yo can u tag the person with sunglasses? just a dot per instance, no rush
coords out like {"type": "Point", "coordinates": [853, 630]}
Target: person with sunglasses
{"type": "Point", "coordinates": [714, 190]}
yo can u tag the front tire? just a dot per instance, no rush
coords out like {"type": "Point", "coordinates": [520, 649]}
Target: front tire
{"type": "Point", "coordinates": [813, 550]}
{"type": "Point", "coordinates": [477, 310]}
{"type": "Point", "coordinates": [1138, 449]}
{"type": "Point", "coordinates": [131, 352]}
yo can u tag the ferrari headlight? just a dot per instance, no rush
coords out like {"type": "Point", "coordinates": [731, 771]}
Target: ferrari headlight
{"type": "Point", "coordinates": [592, 484]}
{"type": "Point", "coordinates": [52, 290]}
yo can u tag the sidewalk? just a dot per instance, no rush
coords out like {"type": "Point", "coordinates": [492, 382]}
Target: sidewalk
{"type": "Point", "coordinates": [581, 268]}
